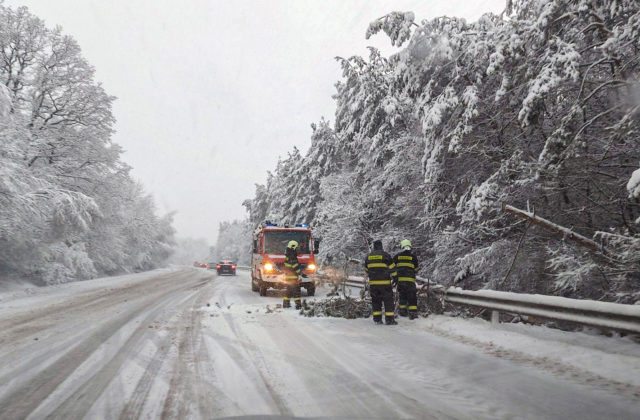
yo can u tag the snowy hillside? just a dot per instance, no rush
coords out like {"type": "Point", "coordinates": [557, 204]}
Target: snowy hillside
{"type": "Point", "coordinates": [536, 107]}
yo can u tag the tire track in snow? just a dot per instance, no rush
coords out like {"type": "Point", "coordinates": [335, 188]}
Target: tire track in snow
{"type": "Point", "coordinates": [336, 385]}
{"type": "Point", "coordinates": [247, 352]}
{"type": "Point", "coordinates": [25, 398]}
{"type": "Point", "coordinates": [25, 356]}
{"type": "Point", "coordinates": [37, 319]}
{"type": "Point", "coordinates": [384, 392]}
{"type": "Point", "coordinates": [322, 379]}
{"type": "Point", "coordinates": [22, 401]}
{"type": "Point", "coordinates": [335, 388]}
{"type": "Point", "coordinates": [188, 388]}
{"type": "Point", "coordinates": [439, 386]}
{"type": "Point", "coordinates": [258, 360]}
{"type": "Point", "coordinates": [135, 404]}
{"type": "Point", "coordinates": [557, 368]}
{"type": "Point", "coordinates": [78, 404]}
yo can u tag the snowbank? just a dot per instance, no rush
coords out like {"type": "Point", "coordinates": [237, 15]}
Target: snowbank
{"type": "Point", "coordinates": [613, 358]}
{"type": "Point", "coordinates": [21, 293]}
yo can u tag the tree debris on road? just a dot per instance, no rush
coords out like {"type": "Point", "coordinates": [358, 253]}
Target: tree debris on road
{"type": "Point", "coordinates": [341, 307]}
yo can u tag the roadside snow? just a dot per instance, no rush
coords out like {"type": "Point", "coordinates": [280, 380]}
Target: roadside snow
{"type": "Point", "coordinates": [613, 358]}
{"type": "Point", "coordinates": [24, 295]}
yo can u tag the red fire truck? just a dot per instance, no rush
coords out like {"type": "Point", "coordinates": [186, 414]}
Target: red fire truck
{"type": "Point", "coordinates": [267, 258]}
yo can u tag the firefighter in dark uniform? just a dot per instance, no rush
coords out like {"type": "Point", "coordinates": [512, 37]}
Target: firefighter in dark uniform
{"type": "Point", "coordinates": [381, 271]}
{"type": "Point", "coordinates": [292, 272]}
{"type": "Point", "coordinates": [406, 267]}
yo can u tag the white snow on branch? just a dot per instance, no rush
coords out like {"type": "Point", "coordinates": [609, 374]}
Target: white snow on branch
{"type": "Point", "coordinates": [5, 101]}
{"type": "Point", "coordinates": [633, 186]}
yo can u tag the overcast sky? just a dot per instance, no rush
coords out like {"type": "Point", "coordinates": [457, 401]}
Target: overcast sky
{"type": "Point", "coordinates": [211, 92]}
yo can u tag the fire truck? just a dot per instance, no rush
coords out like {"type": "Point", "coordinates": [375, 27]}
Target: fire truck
{"type": "Point", "coordinates": [267, 258]}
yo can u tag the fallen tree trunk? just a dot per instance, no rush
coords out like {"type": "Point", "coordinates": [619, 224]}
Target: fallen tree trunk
{"type": "Point", "coordinates": [567, 233]}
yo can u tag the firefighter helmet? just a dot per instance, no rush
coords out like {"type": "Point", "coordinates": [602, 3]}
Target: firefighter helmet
{"type": "Point", "coordinates": [405, 244]}
{"type": "Point", "coordinates": [292, 245]}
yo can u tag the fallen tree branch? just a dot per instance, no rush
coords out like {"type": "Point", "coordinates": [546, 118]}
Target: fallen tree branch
{"type": "Point", "coordinates": [553, 227]}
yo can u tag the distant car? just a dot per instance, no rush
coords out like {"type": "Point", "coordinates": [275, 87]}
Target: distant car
{"type": "Point", "coordinates": [203, 265]}
{"type": "Point", "coordinates": [196, 264]}
{"type": "Point", "coordinates": [226, 267]}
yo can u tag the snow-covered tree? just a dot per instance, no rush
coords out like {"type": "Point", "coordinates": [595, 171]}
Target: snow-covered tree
{"type": "Point", "coordinates": [537, 107]}
{"type": "Point", "coordinates": [234, 241]}
{"type": "Point", "coordinates": [68, 208]}
{"type": "Point", "coordinates": [189, 250]}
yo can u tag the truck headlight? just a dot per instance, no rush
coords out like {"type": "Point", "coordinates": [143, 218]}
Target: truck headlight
{"type": "Point", "coordinates": [268, 267]}
{"type": "Point", "coordinates": [311, 267]}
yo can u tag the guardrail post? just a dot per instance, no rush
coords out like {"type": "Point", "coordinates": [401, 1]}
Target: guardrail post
{"type": "Point", "coordinates": [495, 317]}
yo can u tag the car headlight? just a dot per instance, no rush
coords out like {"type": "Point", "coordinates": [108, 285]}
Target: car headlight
{"type": "Point", "coordinates": [268, 267]}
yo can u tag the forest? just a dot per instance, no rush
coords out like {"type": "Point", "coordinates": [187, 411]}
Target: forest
{"type": "Point", "coordinates": [536, 108]}
{"type": "Point", "coordinates": [69, 209]}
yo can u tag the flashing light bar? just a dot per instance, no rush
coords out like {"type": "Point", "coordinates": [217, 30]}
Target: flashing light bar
{"type": "Point", "coordinates": [302, 225]}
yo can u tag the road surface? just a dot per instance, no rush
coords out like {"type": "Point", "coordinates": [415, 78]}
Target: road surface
{"type": "Point", "coordinates": [184, 343]}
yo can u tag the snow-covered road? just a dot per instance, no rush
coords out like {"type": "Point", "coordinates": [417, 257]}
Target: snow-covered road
{"type": "Point", "coordinates": [149, 346]}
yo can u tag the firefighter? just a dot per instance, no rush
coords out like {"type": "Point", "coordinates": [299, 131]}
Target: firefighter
{"type": "Point", "coordinates": [292, 272]}
{"type": "Point", "coordinates": [381, 271]}
{"type": "Point", "coordinates": [406, 268]}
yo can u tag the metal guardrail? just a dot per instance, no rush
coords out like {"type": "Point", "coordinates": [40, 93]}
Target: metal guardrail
{"type": "Point", "coordinates": [613, 316]}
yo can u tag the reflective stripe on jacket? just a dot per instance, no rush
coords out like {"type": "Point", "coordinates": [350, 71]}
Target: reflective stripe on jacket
{"type": "Point", "coordinates": [379, 267]}
{"type": "Point", "coordinates": [292, 268]}
{"type": "Point", "coordinates": [406, 266]}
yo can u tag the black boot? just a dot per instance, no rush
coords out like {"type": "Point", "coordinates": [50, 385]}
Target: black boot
{"type": "Point", "coordinates": [286, 303]}
{"type": "Point", "coordinates": [402, 312]}
{"type": "Point", "coordinates": [413, 315]}
{"type": "Point", "coordinates": [298, 304]}
{"type": "Point", "coordinates": [390, 321]}
{"type": "Point", "coordinates": [377, 322]}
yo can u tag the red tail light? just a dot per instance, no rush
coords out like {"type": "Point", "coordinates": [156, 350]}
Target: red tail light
{"type": "Point", "coordinates": [233, 266]}
{"type": "Point", "coordinates": [218, 266]}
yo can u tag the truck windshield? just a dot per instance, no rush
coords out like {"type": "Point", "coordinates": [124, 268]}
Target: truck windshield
{"type": "Point", "coordinates": [276, 241]}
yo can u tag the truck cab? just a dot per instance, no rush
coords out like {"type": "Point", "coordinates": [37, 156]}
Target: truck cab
{"type": "Point", "coordinates": [267, 258]}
